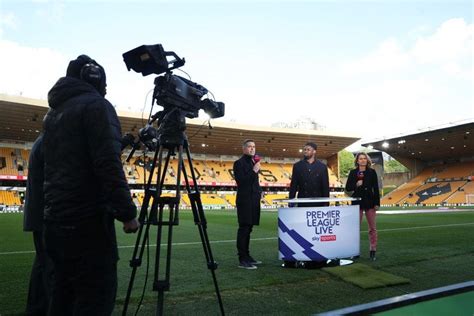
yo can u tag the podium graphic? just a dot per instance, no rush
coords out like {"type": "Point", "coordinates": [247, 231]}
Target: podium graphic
{"type": "Point", "coordinates": [318, 233]}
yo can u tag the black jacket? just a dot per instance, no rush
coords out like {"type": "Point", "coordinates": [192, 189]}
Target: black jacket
{"type": "Point", "coordinates": [248, 191]}
{"type": "Point", "coordinates": [309, 184]}
{"type": "Point", "coordinates": [34, 200]}
{"type": "Point", "coordinates": [368, 191]}
{"type": "Point", "coordinates": [83, 176]}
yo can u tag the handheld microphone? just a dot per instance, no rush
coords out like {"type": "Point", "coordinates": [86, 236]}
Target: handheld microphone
{"type": "Point", "coordinates": [256, 158]}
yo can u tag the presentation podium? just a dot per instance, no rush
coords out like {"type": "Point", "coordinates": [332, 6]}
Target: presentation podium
{"type": "Point", "coordinates": [318, 233]}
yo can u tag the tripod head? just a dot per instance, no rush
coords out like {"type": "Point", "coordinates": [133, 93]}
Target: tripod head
{"type": "Point", "coordinates": [171, 127]}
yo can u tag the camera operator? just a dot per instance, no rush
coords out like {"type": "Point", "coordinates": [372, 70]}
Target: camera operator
{"type": "Point", "coordinates": [85, 189]}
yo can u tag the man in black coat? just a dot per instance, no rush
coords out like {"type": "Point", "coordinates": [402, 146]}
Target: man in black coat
{"type": "Point", "coordinates": [309, 178]}
{"type": "Point", "coordinates": [85, 189]}
{"type": "Point", "coordinates": [39, 290]}
{"type": "Point", "coordinates": [248, 199]}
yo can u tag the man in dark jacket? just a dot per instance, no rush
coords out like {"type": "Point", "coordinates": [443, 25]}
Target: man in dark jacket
{"type": "Point", "coordinates": [85, 189]}
{"type": "Point", "coordinates": [249, 194]}
{"type": "Point", "coordinates": [39, 290]}
{"type": "Point", "coordinates": [309, 177]}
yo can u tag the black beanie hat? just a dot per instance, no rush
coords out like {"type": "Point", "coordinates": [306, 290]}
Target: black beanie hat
{"type": "Point", "coordinates": [75, 67]}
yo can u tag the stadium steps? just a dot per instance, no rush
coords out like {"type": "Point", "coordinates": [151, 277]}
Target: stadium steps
{"type": "Point", "coordinates": [459, 197]}
{"type": "Point", "coordinates": [454, 191]}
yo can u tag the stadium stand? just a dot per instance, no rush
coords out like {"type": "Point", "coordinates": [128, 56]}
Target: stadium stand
{"type": "Point", "coordinates": [13, 161]}
{"type": "Point", "coordinates": [403, 191]}
{"type": "Point", "coordinates": [464, 195]}
{"type": "Point", "coordinates": [185, 201]}
{"type": "Point", "coordinates": [218, 171]}
{"type": "Point", "coordinates": [9, 198]}
{"type": "Point", "coordinates": [214, 172]}
{"type": "Point", "coordinates": [210, 171]}
{"type": "Point", "coordinates": [213, 200]}
{"type": "Point", "coordinates": [453, 171]}
{"type": "Point", "coordinates": [271, 197]}
{"type": "Point", "coordinates": [446, 183]}
{"type": "Point", "coordinates": [230, 197]}
{"type": "Point", "coordinates": [442, 161]}
{"type": "Point", "coordinates": [432, 193]}
{"type": "Point", "coordinates": [434, 185]}
{"type": "Point", "coordinates": [274, 173]}
{"type": "Point", "coordinates": [6, 161]}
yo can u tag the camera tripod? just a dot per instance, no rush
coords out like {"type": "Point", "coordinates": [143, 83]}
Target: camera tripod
{"type": "Point", "coordinates": [159, 204]}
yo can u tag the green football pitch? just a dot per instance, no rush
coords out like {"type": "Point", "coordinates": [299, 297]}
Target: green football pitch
{"type": "Point", "coordinates": [430, 249]}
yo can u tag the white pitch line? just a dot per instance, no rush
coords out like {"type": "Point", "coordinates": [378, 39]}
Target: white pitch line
{"type": "Point", "coordinates": [419, 227]}
{"type": "Point", "coordinates": [438, 211]}
{"type": "Point", "coordinates": [199, 243]}
{"type": "Point", "coordinates": [260, 239]}
{"type": "Point", "coordinates": [154, 245]}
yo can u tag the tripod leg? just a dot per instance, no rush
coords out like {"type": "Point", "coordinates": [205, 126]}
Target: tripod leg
{"type": "Point", "coordinates": [159, 285]}
{"type": "Point", "coordinates": [200, 221]}
{"type": "Point", "coordinates": [140, 243]}
{"type": "Point", "coordinates": [135, 262]}
{"type": "Point", "coordinates": [146, 220]}
{"type": "Point", "coordinates": [163, 284]}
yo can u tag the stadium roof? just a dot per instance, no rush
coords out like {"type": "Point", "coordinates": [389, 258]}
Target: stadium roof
{"type": "Point", "coordinates": [21, 121]}
{"type": "Point", "coordinates": [447, 142]}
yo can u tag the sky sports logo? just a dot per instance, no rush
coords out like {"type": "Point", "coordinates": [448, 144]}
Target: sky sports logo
{"type": "Point", "coordinates": [328, 238]}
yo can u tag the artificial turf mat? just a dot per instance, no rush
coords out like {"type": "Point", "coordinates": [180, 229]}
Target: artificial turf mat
{"type": "Point", "coordinates": [365, 276]}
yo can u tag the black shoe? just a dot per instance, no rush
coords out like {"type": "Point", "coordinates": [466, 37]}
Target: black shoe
{"type": "Point", "coordinates": [372, 255]}
{"type": "Point", "coordinates": [246, 265]}
{"type": "Point", "coordinates": [253, 261]}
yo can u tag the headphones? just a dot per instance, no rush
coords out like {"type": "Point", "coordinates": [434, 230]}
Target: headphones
{"type": "Point", "coordinates": [92, 74]}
